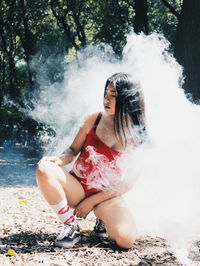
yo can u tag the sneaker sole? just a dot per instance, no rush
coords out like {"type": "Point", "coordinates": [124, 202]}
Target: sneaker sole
{"type": "Point", "coordinates": [67, 244]}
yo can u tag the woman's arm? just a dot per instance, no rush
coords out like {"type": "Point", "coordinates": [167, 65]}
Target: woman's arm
{"type": "Point", "coordinates": [88, 204]}
{"type": "Point", "coordinates": [70, 153]}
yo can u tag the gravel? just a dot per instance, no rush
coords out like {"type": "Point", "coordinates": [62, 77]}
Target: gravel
{"type": "Point", "coordinates": [28, 228]}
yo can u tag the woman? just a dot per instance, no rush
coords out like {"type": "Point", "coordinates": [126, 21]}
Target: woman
{"type": "Point", "coordinates": [100, 143]}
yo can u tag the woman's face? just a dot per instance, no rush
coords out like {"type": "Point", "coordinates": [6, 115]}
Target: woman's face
{"type": "Point", "coordinates": [110, 99]}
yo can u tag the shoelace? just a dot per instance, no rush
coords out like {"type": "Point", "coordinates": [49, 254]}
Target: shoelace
{"type": "Point", "coordinates": [66, 229]}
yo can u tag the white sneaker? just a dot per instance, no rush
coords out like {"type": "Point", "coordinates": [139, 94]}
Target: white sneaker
{"type": "Point", "coordinates": [69, 236]}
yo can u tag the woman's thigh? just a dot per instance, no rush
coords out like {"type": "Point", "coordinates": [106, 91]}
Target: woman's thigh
{"type": "Point", "coordinates": [72, 187]}
{"type": "Point", "coordinates": [118, 220]}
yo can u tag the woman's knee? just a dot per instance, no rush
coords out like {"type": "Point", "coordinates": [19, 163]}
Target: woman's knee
{"type": "Point", "coordinates": [43, 171]}
{"type": "Point", "coordinates": [123, 238]}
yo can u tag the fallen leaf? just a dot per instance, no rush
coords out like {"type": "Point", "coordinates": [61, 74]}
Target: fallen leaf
{"type": "Point", "coordinates": [86, 231]}
{"type": "Point", "coordinates": [11, 252]}
{"type": "Point", "coordinates": [23, 202]}
{"type": "Point", "coordinates": [136, 261]}
{"type": "Point", "coordinates": [6, 229]}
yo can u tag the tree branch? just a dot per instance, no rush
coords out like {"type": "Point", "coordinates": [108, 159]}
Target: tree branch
{"type": "Point", "coordinates": [171, 8]}
{"type": "Point", "coordinates": [61, 20]}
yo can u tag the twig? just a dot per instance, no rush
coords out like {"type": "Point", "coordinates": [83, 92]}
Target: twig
{"type": "Point", "coordinates": [81, 248]}
{"type": "Point", "coordinates": [98, 244]}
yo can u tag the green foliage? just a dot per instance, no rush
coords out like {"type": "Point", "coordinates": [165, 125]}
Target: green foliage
{"type": "Point", "coordinates": [161, 20]}
{"type": "Point", "coordinates": [15, 124]}
{"type": "Point", "coordinates": [112, 23]}
{"type": "Point", "coordinates": [37, 38]}
{"type": "Point", "coordinates": [46, 30]}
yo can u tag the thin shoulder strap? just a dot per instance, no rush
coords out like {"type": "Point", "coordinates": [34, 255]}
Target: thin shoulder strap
{"type": "Point", "coordinates": [97, 121]}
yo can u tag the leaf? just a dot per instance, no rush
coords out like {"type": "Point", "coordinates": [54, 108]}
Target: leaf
{"type": "Point", "coordinates": [28, 254]}
{"type": "Point", "coordinates": [23, 202]}
{"type": "Point", "coordinates": [5, 229]}
{"type": "Point", "coordinates": [86, 231]}
{"type": "Point", "coordinates": [11, 252]}
{"type": "Point", "coordinates": [17, 39]}
{"type": "Point", "coordinates": [136, 261]}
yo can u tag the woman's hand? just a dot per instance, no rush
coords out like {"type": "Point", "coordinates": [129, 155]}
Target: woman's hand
{"type": "Point", "coordinates": [53, 159]}
{"type": "Point", "coordinates": [84, 208]}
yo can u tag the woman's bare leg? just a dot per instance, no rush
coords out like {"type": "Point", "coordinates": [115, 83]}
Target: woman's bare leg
{"type": "Point", "coordinates": [56, 184]}
{"type": "Point", "coordinates": [118, 221]}
{"type": "Point", "coordinates": [61, 190]}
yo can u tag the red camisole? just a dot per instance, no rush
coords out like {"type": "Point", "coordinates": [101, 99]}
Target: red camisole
{"type": "Point", "coordinates": [96, 166]}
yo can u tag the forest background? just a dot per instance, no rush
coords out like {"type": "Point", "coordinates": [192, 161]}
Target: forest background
{"type": "Point", "coordinates": [53, 31]}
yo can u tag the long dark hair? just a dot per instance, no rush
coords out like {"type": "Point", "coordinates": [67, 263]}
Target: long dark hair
{"type": "Point", "coordinates": [129, 119]}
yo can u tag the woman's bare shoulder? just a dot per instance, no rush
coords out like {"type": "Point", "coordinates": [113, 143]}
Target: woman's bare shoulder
{"type": "Point", "coordinates": [89, 121]}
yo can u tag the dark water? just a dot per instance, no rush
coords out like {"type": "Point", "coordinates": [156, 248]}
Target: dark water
{"type": "Point", "coordinates": [18, 163]}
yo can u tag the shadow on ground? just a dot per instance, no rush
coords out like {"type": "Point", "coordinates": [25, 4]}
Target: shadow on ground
{"type": "Point", "coordinates": [29, 242]}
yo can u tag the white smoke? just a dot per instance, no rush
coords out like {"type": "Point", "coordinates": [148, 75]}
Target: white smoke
{"type": "Point", "coordinates": [165, 199]}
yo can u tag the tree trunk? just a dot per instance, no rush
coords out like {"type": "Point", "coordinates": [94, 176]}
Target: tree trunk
{"type": "Point", "coordinates": [14, 88]}
{"type": "Point", "coordinates": [28, 42]}
{"type": "Point", "coordinates": [2, 78]}
{"type": "Point", "coordinates": [61, 18]}
{"type": "Point", "coordinates": [187, 46]}
{"type": "Point", "coordinates": [8, 49]}
{"type": "Point", "coordinates": [141, 18]}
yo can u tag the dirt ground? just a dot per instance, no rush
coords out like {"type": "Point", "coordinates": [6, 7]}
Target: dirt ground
{"type": "Point", "coordinates": [28, 228]}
